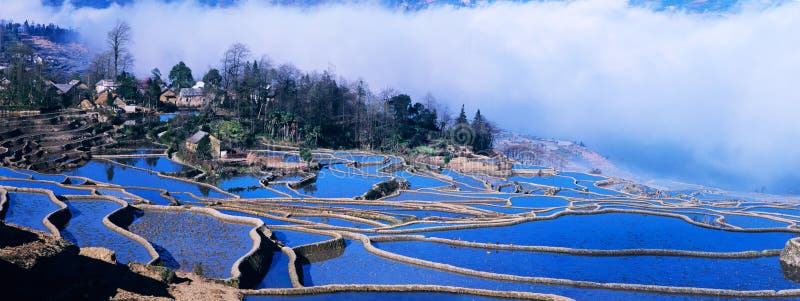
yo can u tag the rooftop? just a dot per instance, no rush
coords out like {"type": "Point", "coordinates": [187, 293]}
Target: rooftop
{"type": "Point", "coordinates": [196, 137]}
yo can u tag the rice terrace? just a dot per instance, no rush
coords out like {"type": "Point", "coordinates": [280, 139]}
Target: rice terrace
{"type": "Point", "coordinates": [262, 181]}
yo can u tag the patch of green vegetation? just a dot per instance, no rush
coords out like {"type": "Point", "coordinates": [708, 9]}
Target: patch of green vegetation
{"type": "Point", "coordinates": [425, 150]}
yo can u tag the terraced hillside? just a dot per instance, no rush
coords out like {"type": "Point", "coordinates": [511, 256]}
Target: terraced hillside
{"type": "Point", "coordinates": [51, 142]}
{"type": "Point", "coordinates": [531, 233]}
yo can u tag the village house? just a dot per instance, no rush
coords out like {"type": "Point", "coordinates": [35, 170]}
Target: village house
{"type": "Point", "coordinates": [191, 143]}
{"type": "Point", "coordinates": [192, 97]}
{"type": "Point", "coordinates": [70, 93]}
{"type": "Point", "coordinates": [168, 96]}
{"type": "Point", "coordinates": [105, 85]}
{"type": "Point", "coordinates": [120, 104]}
{"type": "Point", "coordinates": [105, 99]}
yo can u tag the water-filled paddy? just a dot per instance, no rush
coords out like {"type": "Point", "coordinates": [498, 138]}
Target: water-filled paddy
{"type": "Point", "coordinates": [465, 182]}
{"type": "Point", "coordinates": [419, 181]}
{"type": "Point", "coordinates": [267, 221]}
{"type": "Point", "coordinates": [278, 272]}
{"type": "Point", "coordinates": [247, 186]}
{"type": "Point", "coordinates": [29, 209]}
{"type": "Point", "coordinates": [332, 184]}
{"type": "Point", "coordinates": [539, 202]}
{"type": "Point", "coordinates": [746, 221]}
{"type": "Point", "coordinates": [591, 187]}
{"type": "Point", "coordinates": [43, 177]}
{"type": "Point", "coordinates": [359, 157]}
{"type": "Point", "coordinates": [357, 266]}
{"type": "Point", "coordinates": [427, 213]}
{"type": "Point", "coordinates": [293, 238]}
{"type": "Point", "coordinates": [288, 191]}
{"type": "Point", "coordinates": [740, 274]}
{"type": "Point", "coordinates": [117, 194]}
{"type": "Point", "coordinates": [55, 188]}
{"type": "Point", "coordinates": [523, 166]}
{"type": "Point", "coordinates": [5, 172]}
{"type": "Point", "coordinates": [789, 211]}
{"type": "Point", "coordinates": [160, 164]}
{"type": "Point", "coordinates": [420, 225]}
{"type": "Point", "coordinates": [440, 197]}
{"type": "Point", "coordinates": [120, 175]}
{"type": "Point", "coordinates": [86, 229]}
{"type": "Point", "coordinates": [621, 231]}
{"type": "Point", "coordinates": [153, 196]}
{"type": "Point", "coordinates": [500, 209]}
{"type": "Point", "coordinates": [553, 181]}
{"type": "Point", "coordinates": [287, 156]}
{"type": "Point", "coordinates": [582, 176]}
{"type": "Point", "coordinates": [334, 221]}
{"type": "Point", "coordinates": [164, 117]}
{"type": "Point", "coordinates": [177, 236]}
{"type": "Point", "coordinates": [578, 194]}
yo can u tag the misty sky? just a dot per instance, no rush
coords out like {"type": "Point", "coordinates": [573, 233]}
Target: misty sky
{"type": "Point", "coordinates": [710, 98]}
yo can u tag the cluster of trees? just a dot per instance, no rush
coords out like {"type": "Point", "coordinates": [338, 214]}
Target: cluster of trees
{"type": "Point", "coordinates": [280, 102]}
{"type": "Point", "coordinates": [478, 134]}
{"type": "Point", "coordinates": [12, 31]}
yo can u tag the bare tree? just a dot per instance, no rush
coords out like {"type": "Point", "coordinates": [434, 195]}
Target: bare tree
{"type": "Point", "coordinates": [100, 68]}
{"type": "Point", "coordinates": [119, 39]}
{"type": "Point", "coordinates": [233, 65]}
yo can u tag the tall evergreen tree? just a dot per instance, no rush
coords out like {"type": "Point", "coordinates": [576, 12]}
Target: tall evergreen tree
{"type": "Point", "coordinates": [462, 117]}
{"type": "Point", "coordinates": [181, 76]}
{"type": "Point", "coordinates": [483, 133]}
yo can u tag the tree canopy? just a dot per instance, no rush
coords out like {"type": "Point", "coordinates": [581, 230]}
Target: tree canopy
{"type": "Point", "coordinates": [181, 76]}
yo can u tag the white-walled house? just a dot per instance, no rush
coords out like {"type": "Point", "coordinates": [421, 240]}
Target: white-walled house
{"type": "Point", "coordinates": [105, 85]}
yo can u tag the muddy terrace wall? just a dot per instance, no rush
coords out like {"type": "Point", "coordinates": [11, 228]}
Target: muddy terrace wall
{"type": "Point", "coordinates": [3, 204]}
{"type": "Point", "coordinates": [319, 251]}
{"type": "Point", "coordinates": [341, 288]}
{"type": "Point", "coordinates": [302, 182]}
{"type": "Point", "coordinates": [790, 259]}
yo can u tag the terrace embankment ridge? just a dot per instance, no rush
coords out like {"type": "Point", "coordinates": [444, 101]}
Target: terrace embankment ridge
{"type": "Point", "coordinates": [341, 288]}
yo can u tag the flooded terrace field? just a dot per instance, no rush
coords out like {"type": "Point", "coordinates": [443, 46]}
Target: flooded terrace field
{"type": "Point", "coordinates": [569, 234]}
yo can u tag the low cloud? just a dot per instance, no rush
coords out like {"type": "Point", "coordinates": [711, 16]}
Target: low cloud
{"type": "Point", "coordinates": [700, 97]}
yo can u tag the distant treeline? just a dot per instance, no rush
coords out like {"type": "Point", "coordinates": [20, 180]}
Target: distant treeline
{"type": "Point", "coordinates": [51, 32]}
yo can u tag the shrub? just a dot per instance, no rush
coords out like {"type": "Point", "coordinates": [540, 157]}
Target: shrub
{"type": "Point", "coordinates": [198, 269]}
{"type": "Point", "coordinates": [167, 275]}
